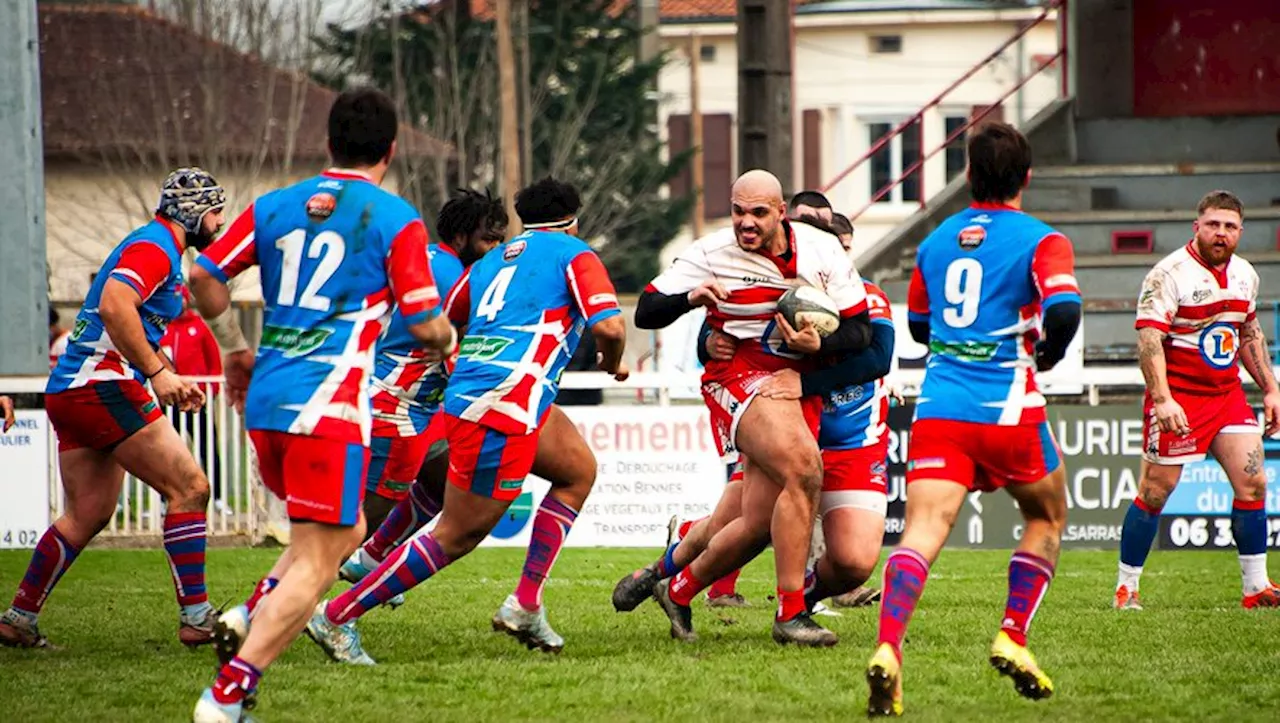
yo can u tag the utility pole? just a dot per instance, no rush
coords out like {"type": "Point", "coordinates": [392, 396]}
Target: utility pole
{"type": "Point", "coordinates": [510, 121]}
{"type": "Point", "coordinates": [764, 89]}
{"type": "Point", "coordinates": [526, 99]}
{"type": "Point", "coordinates": [24, 286]}
{"type": "Point", "coordinates": [695, 134]}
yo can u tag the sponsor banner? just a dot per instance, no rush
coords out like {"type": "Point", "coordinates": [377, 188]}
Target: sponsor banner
{"type": "Point", "coordinates": [653, 462]}
{"type": "Point", "coordinates": [24, 486]}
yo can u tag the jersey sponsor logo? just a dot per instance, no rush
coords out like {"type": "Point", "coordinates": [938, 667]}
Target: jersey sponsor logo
{"type": "Point", "coordinates": [1218, 344]}
{"type": "Point", "coordinates": [158, 321]}
{"type": "Point", "coordinates": [966, 350]}
{"type": "Point", "coordinates": [752, 280]}
{"type": "Point", "coordinates": [513, 249]}
{"type": "Point", "coordinates": [848, 396]}
{"type": "Point", "coordinates": [601, 299]}
{"type": "Point", "coordinates": [511, 484]}
{"type": "Point", "coordinates": [1201, 295]}
{"type": "Point", "coordinates": [149, 407]}
{"type": "Point", "coordinates": [971, 237]}
{"type": "Point", "coordinates": [425, 293]}
{"type": "Point", "coordinates": [483, 348]}
{"type": "Point", "coordinates": [926, 463]}
{"type": "Point", "coordinates": [321, 205]}
{"type": "Point", "coordinates": [78, 330]}
{"type": "Point", "coordinates": [294, 342]}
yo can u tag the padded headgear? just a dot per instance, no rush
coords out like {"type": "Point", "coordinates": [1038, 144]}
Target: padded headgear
{"type": "Point", "coordinates": [187, 195]}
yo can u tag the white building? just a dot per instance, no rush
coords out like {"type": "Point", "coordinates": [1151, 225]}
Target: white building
{"type": "Point", "coordinates": [861, 67]}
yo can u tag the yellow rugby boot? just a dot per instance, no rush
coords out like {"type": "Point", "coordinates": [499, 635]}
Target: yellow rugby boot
{"type": "Point", "coordinates": [884, 679]}
{"type": "Point", "coordinates": [1019, 664]}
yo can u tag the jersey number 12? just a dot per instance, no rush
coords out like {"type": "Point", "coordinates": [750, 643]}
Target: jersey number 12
{"type": "Point", "coordinates": [327, 246]}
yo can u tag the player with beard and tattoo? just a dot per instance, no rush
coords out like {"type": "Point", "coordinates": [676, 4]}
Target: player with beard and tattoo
{"type": "Point", "coordinates": [1197, 322]}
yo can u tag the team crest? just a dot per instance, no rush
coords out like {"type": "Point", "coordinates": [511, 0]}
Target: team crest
{"type": "Point", "coordinates": [321, 205]}
{"type": "Point", "coordinates": [971, 237]}
{"type": "Point", "coordinates": [1218, 343]}
{"type": "Point", "coordinates": [512, 250]}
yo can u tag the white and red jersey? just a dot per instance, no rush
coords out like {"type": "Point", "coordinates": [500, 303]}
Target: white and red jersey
{"type": "Point", "coordinates": [755, 281]}
{"type": "Point", "coordinates": [1200, 309]}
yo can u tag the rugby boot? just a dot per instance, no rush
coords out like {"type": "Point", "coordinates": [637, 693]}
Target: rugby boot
{"type": "Point", "coordinates": [634, 589]}
{"type": "Point", "coordinates": [194, 632]}
{"type": "Point", "coordinates": [862, 596]}
{"type": "Point", "coordinates": [341, 642]}
{"type": "Point", "coordinates": [209, 710]}
{"type": "Point", "coordinates": [357, 567]}
{"type": "Point", "coordinates": [681, 616]}
{"type": "Point", "coordinates": [1127, 599]}
{"type": "Point", "coordinates": [1268, 598]}
{"type": "Point", "coordinates": [884, 683]}
{"type": "Point", "coordinates": [1019, 664]}
{"type": "Point", "coordinates": [728, 601]}
{"type": "Point", "coordinates": [18, 631]}
{"type": "Point", "coordinates": [802, 630]}
{"type": "Point", "coordinates": [528, 626]}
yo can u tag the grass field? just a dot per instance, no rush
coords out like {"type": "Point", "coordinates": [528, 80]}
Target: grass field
{"type": "Point", "coordinates": [1193, 655]}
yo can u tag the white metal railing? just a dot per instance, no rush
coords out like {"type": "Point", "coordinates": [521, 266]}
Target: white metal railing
{"type": "Point", "coordinates": [239, 505]}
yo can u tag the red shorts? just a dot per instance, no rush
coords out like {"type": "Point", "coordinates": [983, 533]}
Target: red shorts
{"type": "Point", "coordinates": [320, 480]}
{"type": "Point", "coordinates": [486, 462]}
{"type": "Point", "coordinates": [727, 402]}
{"type": "Point", "coordinates": [981, 457]}
{"type": "Point", "coordinates": [394, 463]}
{"type": "Point", "coordinates": [1207, 415]}
{"type": "Point", "coordinates": [855, 478]}
{"type": "Point", "coordinates": [101, 415]}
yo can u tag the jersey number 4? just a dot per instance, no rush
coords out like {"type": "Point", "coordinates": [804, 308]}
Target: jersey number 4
{"type": "Point", "coordinates": [495, 295]}
{"type": "Point", "coordinates": [962, 290]}
{"type": "Point", "coordinates": [327, 246]}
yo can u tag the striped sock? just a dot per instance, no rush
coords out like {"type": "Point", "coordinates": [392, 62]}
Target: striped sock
{"type": "Point", "coordinates": [408, 516]}
{"type": "Point", "coordinates": [235, 680]}
{"type": "Point", "coordinates": [409, 564]}
{"type": "Point", "coordinates": [550, 528]}
{"type": "Point", "coordinates": [1029, 578]}
{"type": "Point", "coordinates": [260, 591]}
{"type": "Point", "coordinates": [51, 559]}
{"type": "Point", "coordinates": [184, 546]}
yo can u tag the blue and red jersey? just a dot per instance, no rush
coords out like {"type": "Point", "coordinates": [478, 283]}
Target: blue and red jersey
{"type": "Point", "coordinates": [525, 305]}
{"type": "Point", "coordinates": [982, 280]}
{"type": "Point", "coordinates": [335, 251]}
{"type": "Point", "coordinates": [150, 261]}
{"type": "Point", "coordinates": [407, 388]}
{"type": "Point", "coordinates": [858, 415]}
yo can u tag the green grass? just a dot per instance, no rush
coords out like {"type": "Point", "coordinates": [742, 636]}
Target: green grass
{"type": "Point", "coordinates": [1193, 655]}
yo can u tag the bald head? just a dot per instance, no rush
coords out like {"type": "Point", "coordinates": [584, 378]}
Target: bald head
{"type": "Point", "coordinates": [758, 183]}
{"type": "Point", "coordinates": [758, 208]}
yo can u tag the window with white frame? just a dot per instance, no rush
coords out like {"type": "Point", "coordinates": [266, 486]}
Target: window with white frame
{"type": "Point", "coordinates": [890, 160]}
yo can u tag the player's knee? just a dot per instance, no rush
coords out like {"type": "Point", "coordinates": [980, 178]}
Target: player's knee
{"type": "Point", "coordinates": [1252, 489]}
{"type": "Point", "coordinates": [853, 565]}
{"type": "Point", "coordinates": [1153, 496]}
{"type": "Point", "coordinates": [191, 493]}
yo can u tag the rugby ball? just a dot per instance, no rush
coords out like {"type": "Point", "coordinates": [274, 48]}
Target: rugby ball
{"type": "Point", "coordinates": [807, 303]}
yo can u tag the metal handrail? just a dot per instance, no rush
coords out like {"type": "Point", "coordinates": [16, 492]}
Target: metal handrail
{"type": "Point", "coordinates": [918, 117]}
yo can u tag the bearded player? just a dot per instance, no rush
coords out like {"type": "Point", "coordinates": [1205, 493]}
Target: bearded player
{"type": "Point", "coordinates": [1197, 323]}
{"type": "Point", "coordinates": [984, 280]}
{"type": "Point", "coordinates": [740, 274]}
{"type": "Point", "coordinates": [108, 423]}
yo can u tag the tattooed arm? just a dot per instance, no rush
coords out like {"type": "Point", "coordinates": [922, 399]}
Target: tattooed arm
{"type": "Point", "coordinates": [1168, 412]}
{"type": "Point", "coordinates": [1257, 361]}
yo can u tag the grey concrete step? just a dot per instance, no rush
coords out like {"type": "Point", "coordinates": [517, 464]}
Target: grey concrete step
{"type": "Point", "coordinates": [1220, 139]}
{"type": "Point", "coordinates": [1258, 192]}
{"type": "Point", "coordinates": [1139, 170]}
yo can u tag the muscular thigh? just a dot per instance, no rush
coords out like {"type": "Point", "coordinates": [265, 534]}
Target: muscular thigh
{"type": "Point", "coordinates": [563, 457]}
{"type": "Point", "coordinates": [777, 441]}
{"type": "Point", "coordinates": [1242, 458]}
{"type": "Point", "coordinates": [853, 534]}
{"type": "Point", "coordinates": [91, 481]}
{"type": "Point", "coordinates": [156, 455]}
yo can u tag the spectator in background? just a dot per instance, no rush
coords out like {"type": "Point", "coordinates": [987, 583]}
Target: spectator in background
{"type": "Point", "coordinates": [58, 337]}
{"type": "Point", "coordinates": [194, 352]}
{"type": "Point", "coordinates": [6, 414]}
{"type": "Point", "coordinates": [583, 360]}
{"type": "Point", "coordinates": [843, 229]}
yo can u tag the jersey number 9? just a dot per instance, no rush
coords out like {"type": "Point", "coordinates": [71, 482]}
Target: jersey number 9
{"type": "Point", "coordinates": [963, 290]}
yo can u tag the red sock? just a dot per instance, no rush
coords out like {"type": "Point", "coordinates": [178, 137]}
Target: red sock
{"type": "Point", "coordinates": [685, 587]}
{"type": "Point", "coordinates": [550, 528]}
{"type": "Point", "coordinates": [688, 525]}
{"type": "Point", "coordinates": [905, 573]}
{"type": "Point", "coordinates": [235, 680]}
{"type": "Point", "coordinates": [261, 590]}
{"type": "Point", "coordinates": [1029, 578]}
{"type": "Point", "coordinates": [725, 586]}
{"type": "Point", "coordinates": [790, 603]}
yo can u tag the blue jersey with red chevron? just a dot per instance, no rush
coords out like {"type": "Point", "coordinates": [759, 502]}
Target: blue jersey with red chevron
{"type": "Point", "coordinates": [150, 261]}
{"type": "Point", "coordinates": [858, 415]}
{"type": "Point", "coordinates": [335, 251]}
{"type": "Point", "coordinates": [982, 279]}
{"type": "Point", "coordinates": [525, 305]}
{"type": "Point", "coordinates": [407, 388]}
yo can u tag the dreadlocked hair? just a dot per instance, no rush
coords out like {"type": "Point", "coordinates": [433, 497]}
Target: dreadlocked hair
{"type": "Point", "coordinates": [468, 210]}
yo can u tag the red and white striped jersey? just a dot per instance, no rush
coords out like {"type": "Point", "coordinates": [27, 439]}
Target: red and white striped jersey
{"type": "Point", "coordinates": [1200, 309]}
{"type": "Point", "coordinates": [756, 280]}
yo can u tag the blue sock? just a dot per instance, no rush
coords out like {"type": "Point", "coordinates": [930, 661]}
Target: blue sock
{"type": "Point", "coordinates": [1250, 528]}
{"type": "Point", "coordinates": [1140, 527]}
{"type": "Point", "coordinates": [667, 565]}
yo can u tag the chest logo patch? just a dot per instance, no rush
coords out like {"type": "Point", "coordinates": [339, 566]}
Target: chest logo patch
{"type": "Point", "coordinates": [1218, 344]}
